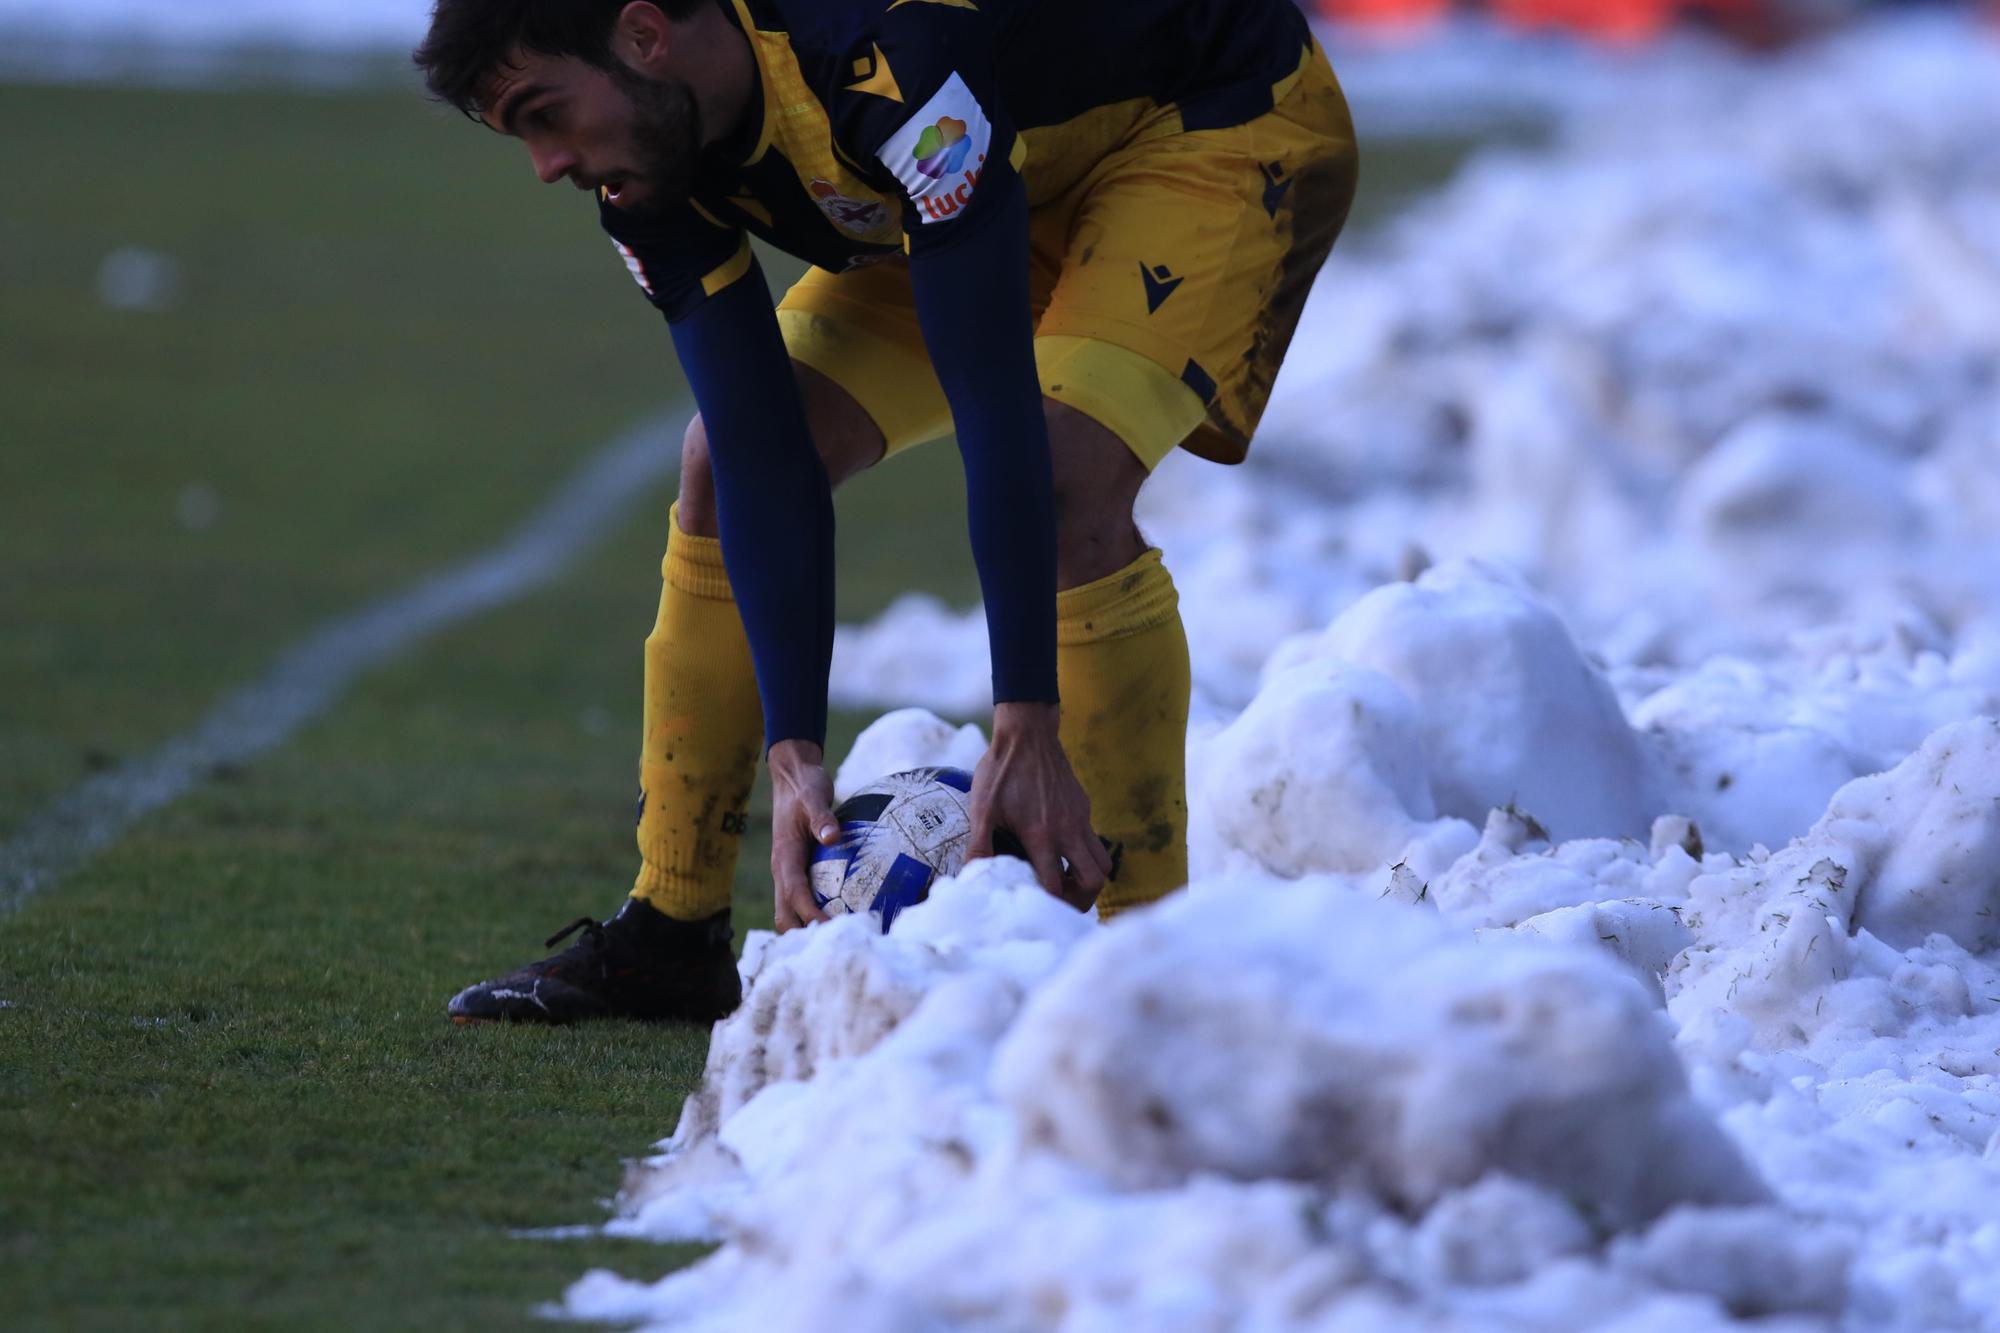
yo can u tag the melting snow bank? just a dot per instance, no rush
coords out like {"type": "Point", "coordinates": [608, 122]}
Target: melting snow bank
{"type": "Point", "coordinates": [1323, 1104]}
{"type": "Point", "coordinates": [1463, 692]}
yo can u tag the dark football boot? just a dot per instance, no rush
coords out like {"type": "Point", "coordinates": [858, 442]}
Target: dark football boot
{"type": "Point", "coordinates": [640, 964]}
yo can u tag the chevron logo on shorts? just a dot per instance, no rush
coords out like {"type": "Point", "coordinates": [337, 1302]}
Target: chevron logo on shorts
{"type": "Point", "coordinates": [1160, 284]}
{"type": "Point", "coordinates": [1276, 183]}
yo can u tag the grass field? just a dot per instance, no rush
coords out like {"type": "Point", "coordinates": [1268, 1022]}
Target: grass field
{"type": "Point", "coordinates": [228, 1097]}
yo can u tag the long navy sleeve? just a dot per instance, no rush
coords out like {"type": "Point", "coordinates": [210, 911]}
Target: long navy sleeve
{"type": "Point", "coordinates": [773, 500]}
{"type": "Point", "coordinates": [972, 302]}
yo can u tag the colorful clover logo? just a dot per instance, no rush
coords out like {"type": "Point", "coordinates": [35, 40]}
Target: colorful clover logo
{"type": "Point", "coordinates": [942, 147]}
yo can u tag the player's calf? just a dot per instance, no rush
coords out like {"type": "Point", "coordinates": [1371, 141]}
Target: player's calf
{"type": "Point", "coordinates": [1121, 663]}
{"type": "Point", "coordinates": [666, 954]}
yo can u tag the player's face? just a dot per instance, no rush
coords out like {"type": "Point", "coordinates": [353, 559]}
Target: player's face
{"type": "Point", "coordinates": [617, 130]}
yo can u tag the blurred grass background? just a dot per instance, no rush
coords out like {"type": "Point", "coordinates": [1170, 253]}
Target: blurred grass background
{"type": "Point", "coordinates": [228, 1096]}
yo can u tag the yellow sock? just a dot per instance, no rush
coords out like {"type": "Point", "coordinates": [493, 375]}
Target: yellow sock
{"type": "Point", "coordinates": [1122, 666]}
{"type": "Point", "coordinates": [704, 732]}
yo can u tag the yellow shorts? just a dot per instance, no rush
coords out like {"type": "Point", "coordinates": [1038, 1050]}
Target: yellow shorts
{"type": "Point", "coordinates": [1166, 281]}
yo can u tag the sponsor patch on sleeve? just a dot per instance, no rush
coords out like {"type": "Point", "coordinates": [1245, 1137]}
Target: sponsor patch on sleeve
{"type": "Point", "coordinates": [939, 154]}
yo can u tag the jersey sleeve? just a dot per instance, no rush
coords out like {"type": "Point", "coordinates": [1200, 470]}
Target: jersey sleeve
{"type": "Point", "coordinates": [772, 496]}
{"type": "Point", "coordinates": [773, 500]}
{"type": "Point", "coordinates": [947, 142]}
{"type": "Point", "coordinates": [680, 258]}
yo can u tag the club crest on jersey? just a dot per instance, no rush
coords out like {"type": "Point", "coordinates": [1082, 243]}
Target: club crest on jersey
{"type": "Point", "coordinates": [856, 216]}
{"type": "Point", "coordinates": [939, 154]}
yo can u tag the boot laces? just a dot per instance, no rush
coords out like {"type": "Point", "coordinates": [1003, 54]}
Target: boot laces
{"type": "Point", "coordinates": [593, 934]}
{"type": "Point", "coordinates": [591, 956]}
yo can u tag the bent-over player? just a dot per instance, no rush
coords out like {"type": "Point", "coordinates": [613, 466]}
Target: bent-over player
{"type": "Point", "coordinates": [1078, 235]}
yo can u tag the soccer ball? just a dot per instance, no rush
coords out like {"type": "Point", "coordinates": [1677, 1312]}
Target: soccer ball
{"type": "Point", "coordinates": [897, 835]}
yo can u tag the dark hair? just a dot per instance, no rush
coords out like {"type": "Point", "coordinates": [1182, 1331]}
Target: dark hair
{"type": "Point", "coordinates": [470, 40]}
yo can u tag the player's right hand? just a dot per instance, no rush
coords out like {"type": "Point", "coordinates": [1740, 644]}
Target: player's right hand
{"type": "Point", "coordinates": [1025, 784]}
{"type": "Point", "coordinates": [801, 819]}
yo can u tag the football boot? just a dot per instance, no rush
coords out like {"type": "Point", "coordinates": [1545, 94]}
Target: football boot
{"type": "Point", "coordinates": [640, 964]}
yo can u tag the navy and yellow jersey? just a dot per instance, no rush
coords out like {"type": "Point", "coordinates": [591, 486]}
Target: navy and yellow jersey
{"type": "Point", "coordinates": [927, 128]}
{"type": "Point", "coordinates": [879, 120]}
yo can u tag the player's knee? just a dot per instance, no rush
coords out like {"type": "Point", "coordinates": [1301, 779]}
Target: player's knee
{"type": "Point", "coordinates": [1096, 536]}
{"type": "Point", "coordinates": [697, 509]}
{"type": "Point", "coordinates": [1097, 479]}
{"type": "Point", "coordinates": [847, 438]}
{"type": "Point", "coordinates": [1093, 541]}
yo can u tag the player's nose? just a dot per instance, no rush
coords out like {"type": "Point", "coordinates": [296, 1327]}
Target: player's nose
{"type": "Point", "coordinates": [552, 163]}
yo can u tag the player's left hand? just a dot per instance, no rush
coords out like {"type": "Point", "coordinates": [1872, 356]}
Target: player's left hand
{"type": "Point", "coordinates": [801, 818]}
{"type": "Point", "coordinates": [1025, 785]}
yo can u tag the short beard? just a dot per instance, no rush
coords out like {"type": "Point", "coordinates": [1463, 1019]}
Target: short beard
{"type": "Point", "coordinates": [666, 139]}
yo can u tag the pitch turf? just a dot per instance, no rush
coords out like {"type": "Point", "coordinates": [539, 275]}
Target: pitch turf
{"type": "Point", "coordinates": [228, 1095]}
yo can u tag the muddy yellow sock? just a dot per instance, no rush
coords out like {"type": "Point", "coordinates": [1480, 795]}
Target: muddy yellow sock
{"type": "Point", "coordinates": [1122, 666]}
{"type": "Point", "coordinates": [704, 731]}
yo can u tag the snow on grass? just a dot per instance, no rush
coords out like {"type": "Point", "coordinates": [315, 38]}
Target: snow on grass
{"type": "Point", "coordinates": [1595, 805]}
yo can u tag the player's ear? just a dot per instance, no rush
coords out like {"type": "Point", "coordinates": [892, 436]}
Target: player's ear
{"type": "Point", "coordinates": [641, 36]}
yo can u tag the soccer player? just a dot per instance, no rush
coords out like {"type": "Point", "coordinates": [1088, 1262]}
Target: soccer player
{"type": "Point", "coordinates": [1078, 235]}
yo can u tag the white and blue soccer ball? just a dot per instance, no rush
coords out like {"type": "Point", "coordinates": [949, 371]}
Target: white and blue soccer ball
{"type": "Point", "coordinates": [897, 835]}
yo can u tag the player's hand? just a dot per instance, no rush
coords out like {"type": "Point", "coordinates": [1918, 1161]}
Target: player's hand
{"type": "Point", "coordinates": [1025, 785]}
{"type": "Point", "coordinates": [801, 819]}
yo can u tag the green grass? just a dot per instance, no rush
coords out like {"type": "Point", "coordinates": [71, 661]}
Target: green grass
{"type": "Point", "coordinates": [228, 1097]}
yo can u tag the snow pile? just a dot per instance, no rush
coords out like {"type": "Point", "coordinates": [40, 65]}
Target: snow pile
{"type": "Point", "coordinates": [1596, 1084]}
{"type": "Point", "coordinates": [1924, 841]}
{"type": "Point", "coordinates": [1904, 864]}
{"type": "Point", "coordinates": [1699, 373]}
{"type": "Point", "coordinates": [1281, 1102]}
{"type": "Point", "coordinates": [1463, 692]}
{"type": "Point", "coordinates": [1294, 1033]}
{"type": "Point", "coordinates": [1322, 737]}
{"type": "Point", "coordinates": [1758, 746]}
{"type": "Point", "coordinates": [1844, 995]}
{"type": "Point", "coordinates": [1509, 711]}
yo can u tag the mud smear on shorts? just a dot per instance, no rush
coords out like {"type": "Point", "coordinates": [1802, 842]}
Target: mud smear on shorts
{"type": "Point", "coordinates": [1322, 194]}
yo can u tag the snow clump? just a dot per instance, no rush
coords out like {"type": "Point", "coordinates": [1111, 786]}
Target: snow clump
{"type": "Point", "coordinates": [1299, 1033]}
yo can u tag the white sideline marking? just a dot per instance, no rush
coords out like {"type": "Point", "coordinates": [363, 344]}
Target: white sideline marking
{"type": "Point", "coordinates": [307, 678]}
